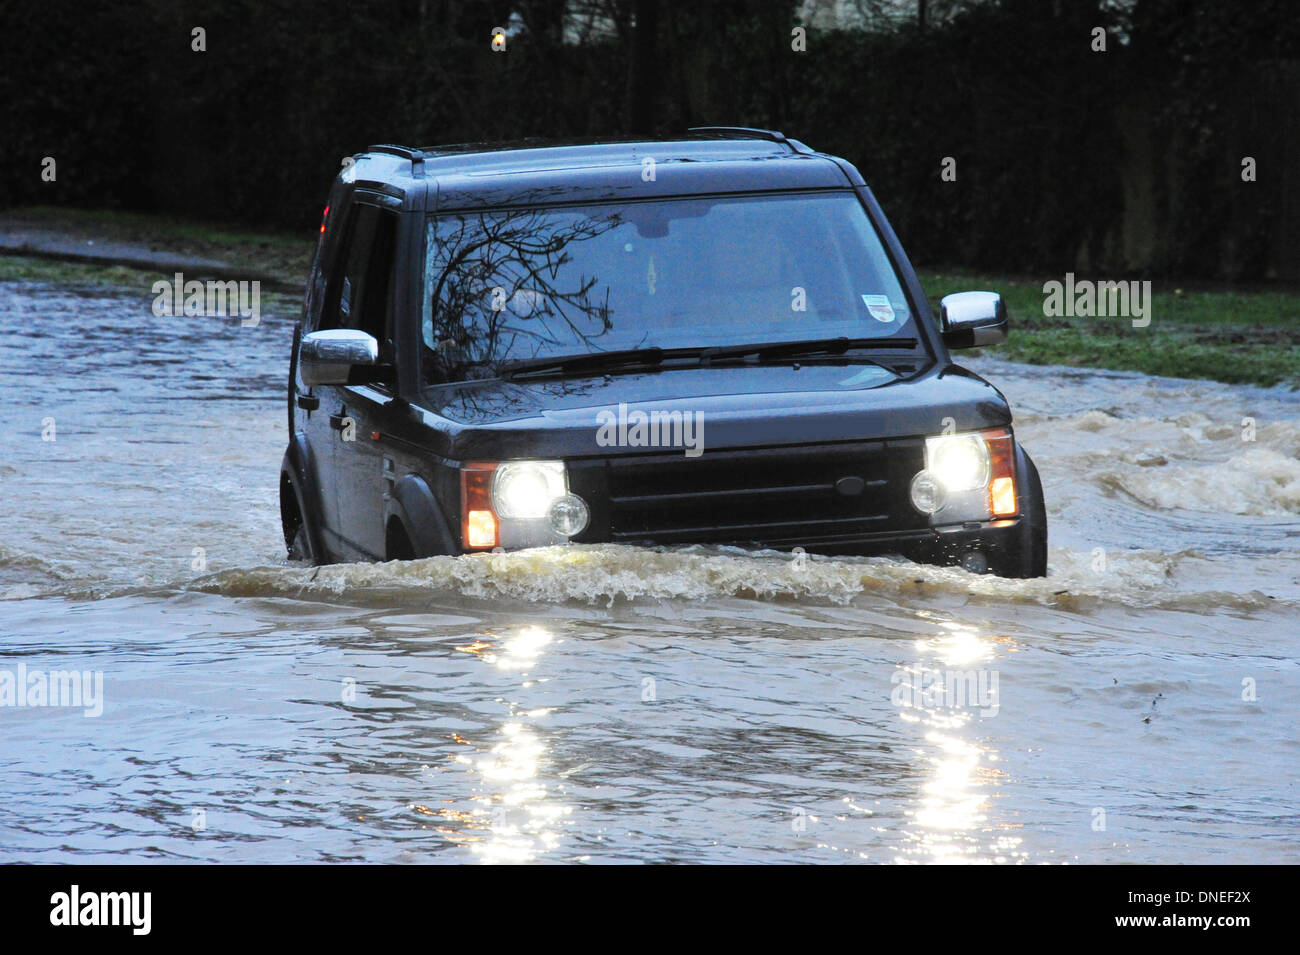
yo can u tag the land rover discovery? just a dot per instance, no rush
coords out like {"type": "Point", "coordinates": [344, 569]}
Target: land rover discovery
{"type": "Point", "coordinates": [714, 339]}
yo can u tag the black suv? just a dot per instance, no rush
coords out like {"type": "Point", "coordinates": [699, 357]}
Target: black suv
{"type": "Point", "coordinates": [715, 339]}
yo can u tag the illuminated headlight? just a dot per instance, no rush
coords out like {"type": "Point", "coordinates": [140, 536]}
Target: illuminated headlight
{"type": "Point", "coordinates": [514, 504]}
{"type": "Point", "coordinates": [525, 490]}
{"type": "Point", "coordinates": [967, 477]}
{"type": "Point", "coordinates": [959, 462]}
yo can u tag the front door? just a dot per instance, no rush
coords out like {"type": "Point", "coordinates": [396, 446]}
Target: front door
{"type": "Point", "coordinates": [357, 412]}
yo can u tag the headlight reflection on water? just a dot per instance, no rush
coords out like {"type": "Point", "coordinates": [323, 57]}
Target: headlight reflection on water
{"type": "Point", "coordinates": [523, 822]}
{"type": "Point", "coordinates": [520, 819]}
{"type": "Point", "coordinates": [955, 691]}
{"type": "Point", "coordinates": [961, 646]}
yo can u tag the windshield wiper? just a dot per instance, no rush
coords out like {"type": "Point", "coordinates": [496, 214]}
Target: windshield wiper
{"type": "Point", "coordinates": [587, 361]}
{"type": "Point", "coordinates": [809, 347]}
{"type": "Point", "coordinates": [604, 361]}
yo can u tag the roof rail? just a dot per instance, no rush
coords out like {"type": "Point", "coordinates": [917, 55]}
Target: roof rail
{"type": "Point", "coordinates": [742, 132]}
{"type": "Point", "coordinates": [749, 132]}
{"type": "Point", "coordinates": [414, 155]}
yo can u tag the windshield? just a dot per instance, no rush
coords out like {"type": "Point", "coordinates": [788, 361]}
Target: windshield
{"type": "Point", "coordinates": [516, 285]}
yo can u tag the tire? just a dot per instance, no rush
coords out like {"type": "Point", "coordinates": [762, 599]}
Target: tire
{"type": "Point", "coordinates": [299, 541]}
{"type": "Point", "coordinates": [1027, 555]}
{"type": "Point", "coordinates": [398, 542]}
{"type": "Point", "coordinates": [300, 547]}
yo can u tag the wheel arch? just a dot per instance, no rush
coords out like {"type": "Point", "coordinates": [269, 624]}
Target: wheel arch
{"type": "Point", "coordinates": [299, 492]}
{"type": "Point", "coordinates": [413, 505]}
{"type": "Point", "coordinates": [1033, 507]}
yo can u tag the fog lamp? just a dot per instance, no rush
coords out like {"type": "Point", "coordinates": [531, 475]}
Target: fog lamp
{"type": "Point", "coordinates": [927, 493]}
{"type": "Point", "coordinates": [568, 515]}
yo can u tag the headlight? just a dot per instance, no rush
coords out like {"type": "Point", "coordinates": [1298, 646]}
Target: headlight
{"type": "Point", "coordinates": [526, 489]}
{"type": "Point", "coordinates": [518, 504]}
{"type": "Point", "coordinates": [967, 477]}
{"type": "Point", "coordinates": [960, 462]}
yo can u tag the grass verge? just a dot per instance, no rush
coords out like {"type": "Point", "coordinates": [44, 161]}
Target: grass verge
{"type": "Point", "coordinates": [285, 257]}
{"type": "Point", "coordinates": [1231, 335]}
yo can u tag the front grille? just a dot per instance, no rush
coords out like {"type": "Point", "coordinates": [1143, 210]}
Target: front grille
{"type": "Point", "coordinates": [776, 497]}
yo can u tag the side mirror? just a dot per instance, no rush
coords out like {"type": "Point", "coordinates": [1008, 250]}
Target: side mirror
{"type": "Point", "coordinates": [339, 356]}
{"type": "Point", "coordinates": [972, 319]}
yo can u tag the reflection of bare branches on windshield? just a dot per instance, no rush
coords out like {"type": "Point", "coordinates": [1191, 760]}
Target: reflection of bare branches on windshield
{"type": "Point", "coordinates": [470, 402]}
{"type": "Point", "coordinates": [488, 267]}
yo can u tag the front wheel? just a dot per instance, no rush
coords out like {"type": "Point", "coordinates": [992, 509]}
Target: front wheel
{"type": "Point", "coordinates": [295, 520]}
{"type": "Point", "coordinates": [300, 547]}
{"type": "Point", "coordinates": [1026, 555]}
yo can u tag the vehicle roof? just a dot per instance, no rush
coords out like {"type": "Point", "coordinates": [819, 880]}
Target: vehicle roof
{"type": "Point", "coordinates": [546, 172]}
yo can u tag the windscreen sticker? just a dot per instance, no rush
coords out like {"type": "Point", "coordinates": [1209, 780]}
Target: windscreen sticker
{"type": "Point", "coordinates": [879, 307]}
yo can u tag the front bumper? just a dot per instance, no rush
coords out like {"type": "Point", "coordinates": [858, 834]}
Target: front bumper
{"type": "Point", "coordinates": [846, 498]}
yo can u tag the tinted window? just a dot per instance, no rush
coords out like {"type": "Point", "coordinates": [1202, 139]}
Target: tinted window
{"type": "Point", "coordinates": [688, 272]}
{"type": "Point", "coordinates": [361, 292]}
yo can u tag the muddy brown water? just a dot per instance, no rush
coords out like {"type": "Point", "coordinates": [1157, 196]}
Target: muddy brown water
{"type": "Point", "coordinates": [614, 704]}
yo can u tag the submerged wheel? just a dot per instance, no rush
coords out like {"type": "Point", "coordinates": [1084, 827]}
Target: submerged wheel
{"type": "Point", "coordinates": [298, 540]}
{"type": "Point", "coordinates": [300, 547]}
{"type": "Point", "coordinates": [1027, 555]}
{"type": "Point", "coordinates": [398, 542]}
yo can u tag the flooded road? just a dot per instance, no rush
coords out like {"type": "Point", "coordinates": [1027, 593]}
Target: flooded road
{"type": "Point", "coordinates": [613, 704]}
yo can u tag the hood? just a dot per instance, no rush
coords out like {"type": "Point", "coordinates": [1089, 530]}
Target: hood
{"type": "Point", "coordinates": [729, 407]}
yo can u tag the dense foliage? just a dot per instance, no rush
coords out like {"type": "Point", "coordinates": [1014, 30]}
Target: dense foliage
{"type": "Point", "coordinates": [1066, 158]}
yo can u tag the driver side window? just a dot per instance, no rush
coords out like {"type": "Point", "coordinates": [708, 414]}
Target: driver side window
{"type": "Point", "coordinates": [363, 288]}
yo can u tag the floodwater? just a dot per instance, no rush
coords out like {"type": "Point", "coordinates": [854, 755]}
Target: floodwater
{"type": "Point", "coordinates": [615, 704]}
